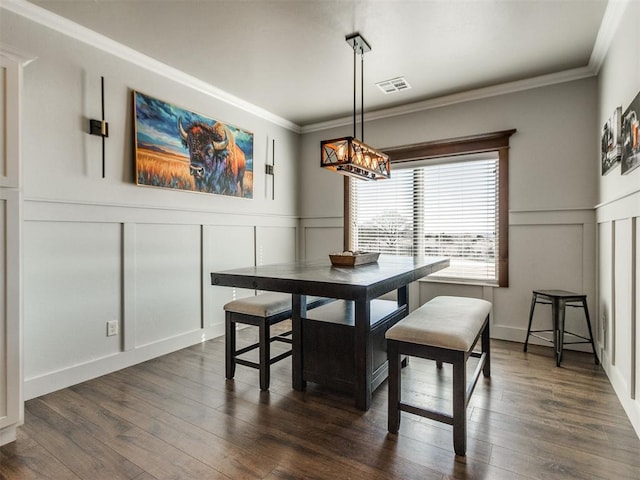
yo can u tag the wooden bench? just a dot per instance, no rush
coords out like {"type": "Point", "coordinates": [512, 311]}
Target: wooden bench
{"type": "Point", "coordinates": [262, 311]}
{"type": "Point", "coordinates": [446, 329]}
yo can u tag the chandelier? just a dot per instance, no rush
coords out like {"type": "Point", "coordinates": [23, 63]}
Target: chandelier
{"type": "Point", "coordinates": [348, 155]}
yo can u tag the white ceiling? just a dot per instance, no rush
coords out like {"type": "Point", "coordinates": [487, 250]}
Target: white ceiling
{"type": "Point", "coordinates": [290, 58]}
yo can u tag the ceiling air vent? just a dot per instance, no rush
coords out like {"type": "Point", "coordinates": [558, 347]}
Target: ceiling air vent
{"type": "Point", "coordinates": [394, 85]}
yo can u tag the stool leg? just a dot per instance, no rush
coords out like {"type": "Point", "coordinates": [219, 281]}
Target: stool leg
{"type": "Point", "coordinates": [393, 403]}
{"type": "Point", "coordinates": [486, 348]}
{"type": "Point", "coordinates": [230, 345]}
{"type": "Point", "coordinates": [533, 306]}
{"type": "Point", "coordinates": [264, 355]}
{"type": "Point", "coordinates": [460, 405]}
{"type": "Point", "coordinates": [560, 313]}
{"type": "Point", "coordinates": [586, 314]}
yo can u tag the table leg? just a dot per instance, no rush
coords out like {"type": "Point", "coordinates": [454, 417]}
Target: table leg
{"type": "Point", "coordinates": [403, 296]}
{"type": "Point", "coordinates": [403, 300]}
{"type": "Point", "coordinates": [298, 312]}
{"type": "Point", "coordinates": [364, 367]}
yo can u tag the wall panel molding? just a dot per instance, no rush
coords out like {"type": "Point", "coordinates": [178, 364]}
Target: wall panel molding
{"type": "Point", "coordinates": [625, 206]}
{"type": "Point", "coordinates": [565, 216]}
{"type": "Point", "coordinates": [619, 296]}
{"type": "Point", "coordinates": [634, 308]}
{"type": "Point", "coordinates": [71, 211]}
{"type": "Point", "coordinates": [173, 258]}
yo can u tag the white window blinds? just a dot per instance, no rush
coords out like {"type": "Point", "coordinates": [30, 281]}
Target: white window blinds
{"type": "Point", "coordinates": [445, 207]}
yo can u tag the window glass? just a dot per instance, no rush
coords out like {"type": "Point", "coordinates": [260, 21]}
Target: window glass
{"type": "Point", "coordinates": [444, 207]}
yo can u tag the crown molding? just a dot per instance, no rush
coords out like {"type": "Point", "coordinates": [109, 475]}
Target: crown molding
{"type": "Point", "coordinates": [613, 15]}
{"type": "Point", "coordinates": [78, 32]}
{"type": "Point", "coordinates": [468, 96]}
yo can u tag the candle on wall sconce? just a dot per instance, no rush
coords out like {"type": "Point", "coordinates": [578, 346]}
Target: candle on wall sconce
{"type": "Point", "coordinates": [100, 127]}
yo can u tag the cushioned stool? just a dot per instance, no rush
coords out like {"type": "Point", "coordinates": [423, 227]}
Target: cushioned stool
{"type": "Point", "coordinates": [446, 329]}
{"type": "Point", "coordinates": [559, 299]}
{"type": "Point", "coordinates": [262, 311]}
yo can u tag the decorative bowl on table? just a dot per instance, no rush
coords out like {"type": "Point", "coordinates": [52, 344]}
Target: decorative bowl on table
{"type": "Point", "coordinates": [351, 259]}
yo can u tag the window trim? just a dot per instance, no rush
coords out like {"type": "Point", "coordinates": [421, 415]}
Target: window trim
{"type": "Point", "coordinates": [485, 142]}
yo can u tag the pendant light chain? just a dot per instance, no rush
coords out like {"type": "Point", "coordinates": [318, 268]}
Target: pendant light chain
{"type": "Point", "coordinates": [354, 91]}
{"type": "Point", "coordinates": [362, 95]}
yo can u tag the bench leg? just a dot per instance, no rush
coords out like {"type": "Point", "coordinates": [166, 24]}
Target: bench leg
{"type": "Point", "coordinates": [230, 345]}
{"type": "Point", "coordinates": [393, 414]}
{"type": "Point", "coordinates": [265, 355]}
{"type": "Point", "coordinates": [460, 405]}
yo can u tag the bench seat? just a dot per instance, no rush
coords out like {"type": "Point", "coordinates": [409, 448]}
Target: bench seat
{"type": "Point", "coordinates": [446, 329]}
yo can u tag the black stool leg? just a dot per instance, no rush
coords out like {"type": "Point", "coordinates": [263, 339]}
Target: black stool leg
{"type": "Point", "coordinates": [486, 348]}
{"type": "Point", "coordinates": [264, 355]}
{"type": "Point", "coordinates": [555, 318]}
{"type": "Point", "coordinates": [560, 312]}
{"type": "Point", "coordinates": [460, 404]}
{"type": "Point", "coordinates": [533, 306]}
{"type": "Point", "coordinates": [393, 412]}
{"type": "Point", "coordinates": [230, 345]}
{"type": "Point", "coordinates": [586, 314]}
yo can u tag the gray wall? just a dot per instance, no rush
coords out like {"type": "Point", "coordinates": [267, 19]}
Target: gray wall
{"type": "Point", "coordinates": [552, 186]}
{"type": "Point", "coordinates": [618, 227]}
{"type": "Point", "coordinates": [99, 249]}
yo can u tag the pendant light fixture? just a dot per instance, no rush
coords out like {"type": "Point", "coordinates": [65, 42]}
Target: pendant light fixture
{"type": "Point", "coordinates": [348, 155]}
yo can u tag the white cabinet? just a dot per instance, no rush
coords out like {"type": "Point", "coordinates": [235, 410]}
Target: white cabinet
{"type": "Point", "coordinates": [11, 400]}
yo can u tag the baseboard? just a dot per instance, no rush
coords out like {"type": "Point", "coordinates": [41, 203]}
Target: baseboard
{"type": "Point", "coordinates": [50, 382]}
{"type": "Point", "coordinates": [8, 435]}
{"type": "Point", "coordinates": [630, 405]}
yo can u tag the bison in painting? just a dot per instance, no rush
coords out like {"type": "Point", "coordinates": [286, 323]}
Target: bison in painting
{"type": "Point", "coordinates": [217, 163]}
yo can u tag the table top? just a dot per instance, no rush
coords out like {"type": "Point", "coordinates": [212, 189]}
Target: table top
{"type": "Point", "coordinates": [319, 277]}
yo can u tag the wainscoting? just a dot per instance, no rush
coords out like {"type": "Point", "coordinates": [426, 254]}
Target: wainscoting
{"type": "Point", "coordinates": [619, 298]}
{"type": "Point", "coordinates": [547, 249]}
{"type": "Point", "coordinates": [148, 269]}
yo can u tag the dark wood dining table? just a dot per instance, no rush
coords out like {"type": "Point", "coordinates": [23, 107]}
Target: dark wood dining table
{"type": "Point", "coordinates": [357, 340]}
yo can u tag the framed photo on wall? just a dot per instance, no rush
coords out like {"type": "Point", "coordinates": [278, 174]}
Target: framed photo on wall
{"type": "Point", "coordinates": [611, 149]}
{"type": "Point", "coordinates": [631, 137]}
{"type": "Point", "coordinates": [179, 149]}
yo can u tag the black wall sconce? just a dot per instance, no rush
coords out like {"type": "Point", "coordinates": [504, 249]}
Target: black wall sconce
{"type": "Point", "coordinates": [100, 127]}
{"type": "Point", "coordinates": [270, 169]}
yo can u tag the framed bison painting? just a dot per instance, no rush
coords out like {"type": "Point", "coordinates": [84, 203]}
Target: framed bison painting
{"type": "Point", "coordinates": [180, 149]}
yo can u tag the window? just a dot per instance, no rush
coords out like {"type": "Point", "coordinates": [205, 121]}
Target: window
{"type": "Point", "coordinates": [443, 199]}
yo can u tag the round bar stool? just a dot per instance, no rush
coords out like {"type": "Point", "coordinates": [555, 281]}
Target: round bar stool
{"type": "Point", "coordinates": [559, 299]}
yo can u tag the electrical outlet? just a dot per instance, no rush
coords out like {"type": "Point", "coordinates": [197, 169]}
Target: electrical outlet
{"type": "Point", "coordinates": [112, 328]}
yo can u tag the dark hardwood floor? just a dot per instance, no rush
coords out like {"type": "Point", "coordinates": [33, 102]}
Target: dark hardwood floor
{"type": "Point", "coordinates": [177, 417]}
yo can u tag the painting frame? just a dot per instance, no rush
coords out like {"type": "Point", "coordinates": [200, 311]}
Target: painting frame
{"type": "Point", "coordinates": [178, 149]}
{"type": "Point", "coordinates": [610, 142]}
{"type": "Point", "coordinates": [630, 159]}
